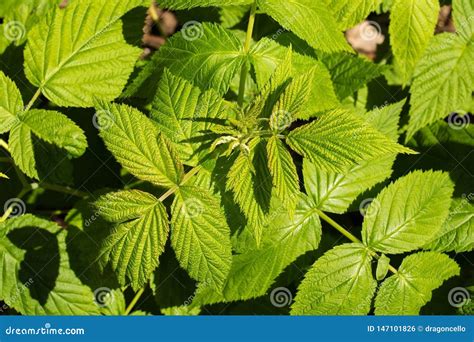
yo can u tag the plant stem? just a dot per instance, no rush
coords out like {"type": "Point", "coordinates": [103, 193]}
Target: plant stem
{"type": "Point", "coordinates": [33, 99]}
{"type": "Point", "coordinates": [185, 179]}
{"type": "Point", "coordinates": [349, 235]}
{"type": "Point", "coordinates": [63, 189]}
{"type": "Point", "coordinates": [4, 144]}
{"type": "Point", "coordinates": [248, 40]}
{"type": "Point", "coordinates": [134, 301]}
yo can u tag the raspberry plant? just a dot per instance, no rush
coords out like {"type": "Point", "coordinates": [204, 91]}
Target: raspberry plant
{"type": "Point", "coordinates": [255, 155]}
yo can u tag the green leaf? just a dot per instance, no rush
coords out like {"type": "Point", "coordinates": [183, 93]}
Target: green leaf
{"type": "Point", "coordinates": [294, 15]}
{"type": "Point", "coordinates": [339, 283]}
{"type": "Point", "coordinates": [184, 114]}
{"type": "Point", "coordinates": [444, 81]}
{"type": "Point", "coordinates": [463, 12]}
{"type": "Point", "coordinates": [383, 264]}
{"type": "Point", "coordinates": [186, 4]}
{"type": "Point", "coordinates": [408, 213]}
{"type": "Point", "coordinates": [205, 54]}
{"type": "Point", "coordinates": [36, 275]}
{"type": "Point", "coordinates": [200, 236]}
{"type": "Point", "coordinates": [138, 237]}
{"type": "Point", "coordinates": [22, 150]}
{"type": "Point", "coordinates": [386, 118]}
{"type": "Point", "coordinates": [251, 183]}
{"type": "Point", "coordinates": [55, 128]}
{"type": "Point", "coordinates": [412, 25]}
{"type": "Point", "coordinates": [341, 139]}
{"type": "Point", "coordinates": [10, 103]}
{"type": "Point", "coordinates": [457, 232]}
{"type": "Point", "coordinates": [2, 175]}
{"type": "Point", "coordinates": [267, 55]}
{"type": "Point", "coordinates": [138, 145]}
{"type": "Point", "coordinates": [283, 170]}
{"type": "Point", "coordinates": [407, 291]}
{"type": "Point", "coordinates": [57, 52]}
{"type": "Point", "coordinates": [286, 237]}
{"type": "Point", "coordinates": [349, 73]}
{"type": "Point", "coordinates": [349, 13]}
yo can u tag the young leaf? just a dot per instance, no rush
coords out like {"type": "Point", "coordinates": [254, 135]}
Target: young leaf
{"type": "Point", "coordinates": [412, 24]}
{"type": "Point", "coordinates": [138, 237]}
{"type": "Point", "coordinates": [186, 4]}
{"type": "Point", "coordinates": [405, 292]}
{"type": "Point", "coordinates": [10, 103]}
{"type": "Point", "coordinates": [209, 60]}
{"type": "Point", "coordinates": [457, 232]}
{"type": "Point", "coordinates": [339, 283]}
{"type": "Point", "coordinates": [184, 114]}
{"type": "Point", "coordinates": [286, 237]}
{"type": "Point", "coordinates": [444, 81]}
{"type": "Point", "coordinates": [138, 145]}
{"type": "Point", "coordinates": [340, 139]}
{"type": "Point", "coordinates": [200, 236]}
{"type": "Point", "coordinates": [382, 267]}
{"type": "Point", "coordinates": [294, 15]}
{"type": "Point", "coordinates": [36, 273]}
{"type": "Point", "coordinates": [60, 46]}
{"type": "Point", "coordinates": [283, 170]}
{"type": "Point", "coordinates": [408, 213]}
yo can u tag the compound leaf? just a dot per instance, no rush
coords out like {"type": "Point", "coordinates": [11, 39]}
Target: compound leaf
{"type": "Point", "coordinates": [138, 237]}
{"type": "Point", "coordinates": [405, 292]}
{"type": "Point", "coordinates": [408, 213]}
{"type": "Point", "coordinates": [339, 283]}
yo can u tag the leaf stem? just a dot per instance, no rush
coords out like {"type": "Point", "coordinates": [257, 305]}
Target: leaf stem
{"type": "Point", "coordinates": [33, 99]}
{"type": "Point", "coordinates": [63, 189]}
{"type": "Point", "coordinates": [248, 40]}
{"type": "Point", "coordinates": [349, 235]}
{"type": "Point", "coordinates": [4, 144]}
{"type": "Point", "coordinates": [185, 179]}
{"type": "Point", "coordinates": [134, 301]}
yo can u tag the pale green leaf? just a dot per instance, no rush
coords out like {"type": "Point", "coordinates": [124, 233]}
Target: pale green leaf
{"type": "Point", "coordinates": [10, 103]}
{"type": "Point", "coordinates": [340, 139]}
{"type": "Point", "coordinates": [405, 292]}
{"type": "Point", "coordinates": [457, 232]}
{"type": "Point", "coordinates": [283, 170]}
{"type": "Point", "coordinates": [186, 4]}
{"type": "Point", "coordinates": [412, 25]}
{"type": "Point", "coordinates": [207, 55]}
{"type": "Point", "coordinates": [444, 81]}
{"type": "Point", "coordinates": [286, 237]}
{"type": "Point", "coordinates": [339, 283]}
{"type": "Point", "coordinates": [349, 13]}
{"type": "Point", "coordinates": [35, 273]}
{"type": "Point", "coordinates": [184, 115]}
{"type": "Point", "coordinates": [138, 237]}
{"type": "Point", "coordinates": [57, 51]}
{"type": "Point", "coordinates": [56, 128]}
{"type": "Point", "coordinates": [138, 145]}
{"type": "Point", "coordinates": [200, 236]}
{"type": "Point", "coordinates": [22, 150]}
{"type": "Point", "coordinates": [308, 19]}
{"type": "Point", "coordinates": [2, 175]}
{"type": "Point", "coordinates": [463, 18]}
{"type": "Point", "coordinates": [408, 213]}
